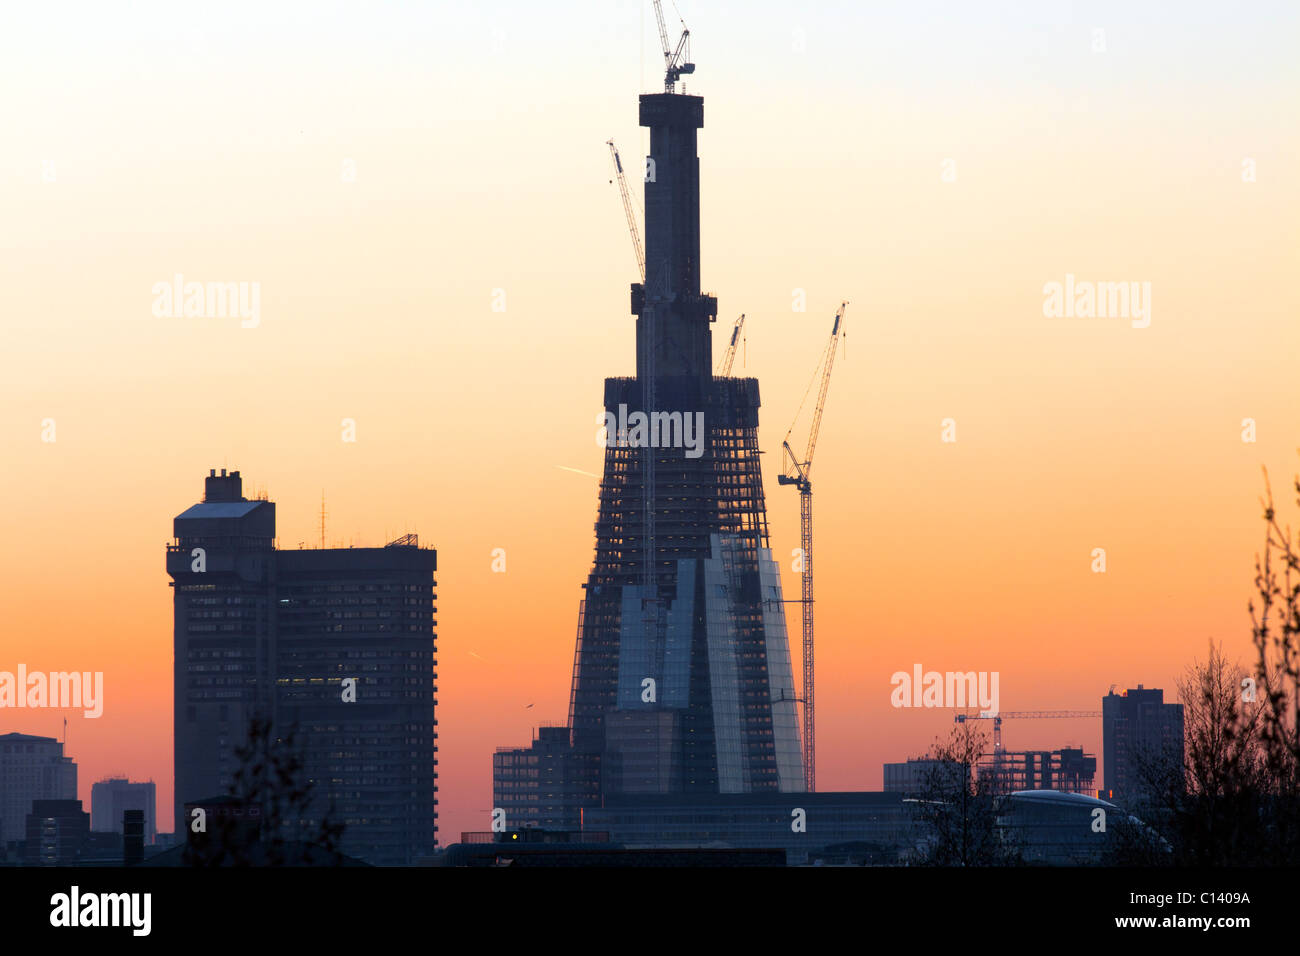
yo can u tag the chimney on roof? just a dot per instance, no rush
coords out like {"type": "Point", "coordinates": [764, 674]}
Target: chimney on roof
{"type": "Point", "coordinates": [224, 487]}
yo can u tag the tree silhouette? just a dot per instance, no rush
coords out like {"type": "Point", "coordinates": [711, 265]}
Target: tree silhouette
{"type": "Point", "coordinates": [271, 787]}
{"type": "Point", "coordinates": [957, 808]}
{"type": "Point", "coordinates": [1205, 806]}
{"type": "Point", "coordinates": [1232, 798]}
{"type": "Point", "coordinates": [1276, 632]}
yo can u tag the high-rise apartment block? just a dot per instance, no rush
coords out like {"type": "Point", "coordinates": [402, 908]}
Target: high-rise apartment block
{"type": "Point", "coordinates": [337, 644]}
{"type": "Point", "coordinates": [1142, 739]}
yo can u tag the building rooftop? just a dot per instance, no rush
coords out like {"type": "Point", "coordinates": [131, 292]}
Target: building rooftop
{"type": "Point", "coordinates": [1060, 796]}
{"type": "Point", "coordinates": [219, 509]}
{"type": "Point", "coordinates": [756, 798]}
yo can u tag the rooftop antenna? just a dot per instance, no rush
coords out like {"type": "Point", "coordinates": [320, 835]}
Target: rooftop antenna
{"type": "Point", "coordinates": [322, 519]}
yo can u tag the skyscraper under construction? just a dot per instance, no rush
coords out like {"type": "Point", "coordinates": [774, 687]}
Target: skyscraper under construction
{"type": "Point", "coordinates": [682, 678]}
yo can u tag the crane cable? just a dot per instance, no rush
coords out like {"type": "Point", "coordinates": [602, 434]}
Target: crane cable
{"type": "Point", "coordinates": [816, 372]}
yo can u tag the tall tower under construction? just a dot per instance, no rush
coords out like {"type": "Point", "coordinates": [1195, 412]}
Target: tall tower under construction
{"type": "Point", "coordinates": [682, 678]}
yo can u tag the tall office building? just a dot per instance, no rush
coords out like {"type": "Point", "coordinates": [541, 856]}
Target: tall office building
{"type": "Point", "coordinates": [682, 679]}
{"type": "Point", "coordinates": [1141, 735]}
{"type": "Point", "coordinates": [31, 769]}
{"type": "Point", "coordinates": [276, 633]}
{"type": "Point", "coordinates": [112, 797]}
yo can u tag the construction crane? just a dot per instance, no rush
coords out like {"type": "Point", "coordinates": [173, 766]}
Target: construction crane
{"type": "Point", "coordinates": [627, 208]}
{"type": "Point", "coordinates": [798, 473]}
{"type": "Point", "coordinates": [647, 374]}
{"type": "Point", "coordinates": [1020, 714]}
{"type": "Point", "coordinates": [676, 60]}
{"type": "Point", "coordinates": [730, 357]}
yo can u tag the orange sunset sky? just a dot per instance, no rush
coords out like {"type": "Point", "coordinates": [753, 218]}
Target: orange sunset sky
{"type": "Point", "coordinates": [146, 141]}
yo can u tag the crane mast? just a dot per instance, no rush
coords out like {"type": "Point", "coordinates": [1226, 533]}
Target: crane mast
{"type": "Point", "coordinates": [797, 472]}
{"type": "Point", "coordinates": [627, 208]}
{"type": "Point", "coordinates": [648, 317]}
{"type": "Point", "coordinates": [676, 60]}
{"type": "Point", "coordinates": [730, 356]}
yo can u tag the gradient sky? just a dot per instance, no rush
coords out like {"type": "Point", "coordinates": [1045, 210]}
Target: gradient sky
{"type": "Point", "coordinates": [212, 143]}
